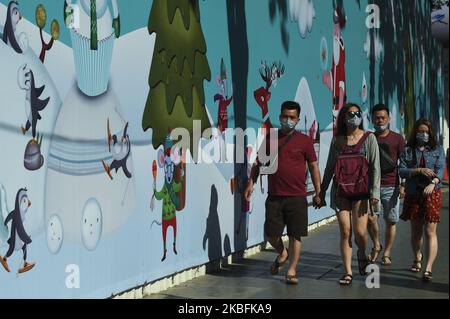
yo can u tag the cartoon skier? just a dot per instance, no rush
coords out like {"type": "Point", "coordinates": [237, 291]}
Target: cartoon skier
{"type": "Point", "coordinates": [168, 159]}
{"type": "Point", "coordinates": [335, 79]}
{"type": "Point", "coordinates": [120, 152]}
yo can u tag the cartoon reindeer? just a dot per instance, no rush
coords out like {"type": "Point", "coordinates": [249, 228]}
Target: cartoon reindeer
{"type": "Point", "coordinates": [270, 75]}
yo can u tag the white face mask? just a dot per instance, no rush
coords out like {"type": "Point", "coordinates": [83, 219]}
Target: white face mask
{"type": "Point", "coordinates": [380, 128]}
{"type": "Point", "coordinates": [354, 122]}
{"type": "Point", "coordinates": [287, 125]}
{"type": "Point", "coordinates": [422, 138]}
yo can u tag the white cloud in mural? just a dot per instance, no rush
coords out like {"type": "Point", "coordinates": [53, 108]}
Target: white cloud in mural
{"type": "Point", "coordinates": [302, 12]}
{"type": "Point", "coordinates": [378, 46]}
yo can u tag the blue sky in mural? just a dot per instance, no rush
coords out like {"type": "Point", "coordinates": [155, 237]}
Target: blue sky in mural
{"type": "Point", "coordinates": [307, 59]}
{"type": "Point", "coordinates": [133, 14]}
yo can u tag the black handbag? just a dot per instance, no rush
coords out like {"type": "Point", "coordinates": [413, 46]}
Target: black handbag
{"type": "Point", "coordinates": [422, 181]}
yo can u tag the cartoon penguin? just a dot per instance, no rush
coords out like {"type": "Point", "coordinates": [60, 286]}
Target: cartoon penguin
{"type": "Point", "coordinates": [120, 152]}
{"type": "Point", "coordinates": [12, 19]}
{"type": "Point", "coordinates": [33, 104]}
{"type": "Point", "coordinates": [19, 239]}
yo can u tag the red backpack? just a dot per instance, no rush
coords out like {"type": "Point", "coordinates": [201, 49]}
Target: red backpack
{"type": "Point", "coordinates": [351, 171]}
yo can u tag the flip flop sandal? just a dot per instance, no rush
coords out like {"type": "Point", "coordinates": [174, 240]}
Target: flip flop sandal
{"type": "Point", "coordinates": [416, 266]}
{"type": "Point", "coordinates": [291, 279]}
{"type": "Point", "coordinates": [275, 268]}
{"type": "Point", "coordinates": [374, 254]}
{"type": "Point", "coordinates": [386, 261]}
{"type": "Point", "coordinates": [427, 276]}
{"type": "Point", "coordinates": [346, 280]}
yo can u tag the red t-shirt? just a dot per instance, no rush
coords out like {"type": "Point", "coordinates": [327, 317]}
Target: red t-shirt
{"type": "Point", "coordinates": [290, 177]}
{"type": "Point", "coordinates": [393, 144]}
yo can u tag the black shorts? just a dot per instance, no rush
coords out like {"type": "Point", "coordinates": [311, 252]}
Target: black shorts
{"type": "Point", "coordinates": [290, 211]}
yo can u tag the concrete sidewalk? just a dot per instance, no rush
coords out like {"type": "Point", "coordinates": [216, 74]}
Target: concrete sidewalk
{"type": "Point", "coordinates": [320, 269]}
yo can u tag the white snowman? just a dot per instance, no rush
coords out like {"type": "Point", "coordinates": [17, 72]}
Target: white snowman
{"type": "Point", "coordinates": [94, 25]}
{"type": "Point", "coordinates": [89, 205]}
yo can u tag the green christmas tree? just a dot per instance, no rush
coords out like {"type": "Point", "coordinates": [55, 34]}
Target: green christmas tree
{"type": "Point", "coordinates": [178, 69]}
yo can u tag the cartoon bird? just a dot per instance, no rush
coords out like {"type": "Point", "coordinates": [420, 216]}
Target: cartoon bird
{"type": "Point", "coordinates": [33, 103]}
{"type": "Point", "coordinates": [120, 152]}
{"type": "Point", "coordinates": [19, 239]}
{"type": "Point", "coordinates": [13, 17]}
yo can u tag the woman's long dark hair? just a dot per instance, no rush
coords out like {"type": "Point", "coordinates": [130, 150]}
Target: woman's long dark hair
{"type": "Point", "coordinates": [412, 140]}
{"type": "Point", "coordinates": [342, 119]}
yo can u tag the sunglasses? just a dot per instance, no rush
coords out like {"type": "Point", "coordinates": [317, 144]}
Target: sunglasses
{"type": "Point", "coordinates": [353, 114]}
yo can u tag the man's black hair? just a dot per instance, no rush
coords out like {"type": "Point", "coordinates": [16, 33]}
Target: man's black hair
{"type": "Point", "coordinates": [290, 105]}
{"type": "Point", "coordinates": [380, 107]}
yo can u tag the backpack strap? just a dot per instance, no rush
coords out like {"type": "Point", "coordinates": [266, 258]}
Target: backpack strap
{"type": "Point", "coordinates": [361, 141]}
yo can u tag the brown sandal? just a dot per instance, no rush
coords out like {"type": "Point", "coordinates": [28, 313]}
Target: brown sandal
{"type": "Point", "coordinates": [275, 268]}
{"type": "Point", "coordinates": [427, 276]}
{"type": "Point", "coordinates": [346, 280]}
{"type": "Point", "coordinates": [374, 254]}
{"type": "Point", "coordinates": [386, 261]}
{"type": "Point", "coordinates": [291, 280]}
{"type": "Point", "coordinates": [416, 266]}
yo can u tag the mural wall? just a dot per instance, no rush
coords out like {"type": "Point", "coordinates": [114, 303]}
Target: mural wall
{"type": "Point", "coordinates": [96, 197]}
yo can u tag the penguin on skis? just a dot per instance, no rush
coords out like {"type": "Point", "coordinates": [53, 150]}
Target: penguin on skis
{"type": "Point", "coordinates": [120, 153]}
{"type": "Point", "coordinates": [19, 239]}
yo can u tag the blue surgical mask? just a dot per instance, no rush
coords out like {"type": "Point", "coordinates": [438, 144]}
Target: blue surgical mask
{"type": "Point", "coordinates": [422, 138]}
{"type": "Point", "coordinates": [287, 125]}
{"type": "Point", "coordinates": [354, 122]}
{"type": "Point", "coordinates": [380, 128]}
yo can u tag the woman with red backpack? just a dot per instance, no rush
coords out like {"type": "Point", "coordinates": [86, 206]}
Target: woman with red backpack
{"type": "Point", "coordinates": [354, 162]}
{"type": "Point", "coordinates": [422, 163]}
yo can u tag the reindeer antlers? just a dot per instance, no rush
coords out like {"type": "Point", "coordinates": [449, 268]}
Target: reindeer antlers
{"type": "Point", "coordinates": [265, 72]}
{"type": "Point", "coordinates": [269, 74]}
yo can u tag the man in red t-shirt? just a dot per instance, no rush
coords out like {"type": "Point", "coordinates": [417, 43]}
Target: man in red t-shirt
{"type": "Point", "coordinates": [391, 146]}
{"type": "Point", "coordinates": [286, 203]}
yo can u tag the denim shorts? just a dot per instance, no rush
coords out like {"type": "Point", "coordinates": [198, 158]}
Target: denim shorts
{"type": "Point", "coordinates": [389, 203]}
